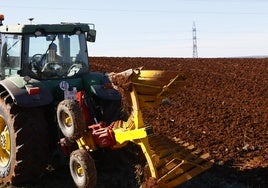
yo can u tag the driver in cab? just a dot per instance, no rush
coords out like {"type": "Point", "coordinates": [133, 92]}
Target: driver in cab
{"type": "Point", "coordinates": [52, 56]}
{"type": "Point", "coordinates": [53, 61]}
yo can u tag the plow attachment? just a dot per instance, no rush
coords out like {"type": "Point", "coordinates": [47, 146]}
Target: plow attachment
{"type": "Point", "coordinates": [170, 163]}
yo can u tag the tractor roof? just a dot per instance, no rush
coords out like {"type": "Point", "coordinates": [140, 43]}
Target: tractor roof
{"type": "Point", "coordinates": [45, 28]}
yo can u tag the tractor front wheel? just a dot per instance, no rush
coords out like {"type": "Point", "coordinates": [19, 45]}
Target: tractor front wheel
{"type": "Point", "coordinates": [83, 169]}
{"type": "Point", "coordinates": [70, 119]}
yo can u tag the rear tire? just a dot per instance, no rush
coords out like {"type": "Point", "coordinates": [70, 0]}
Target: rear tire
{"type": "Point", "coordinates": [83, 169]}
{"type": "Point", "coordinates": [23, 143]}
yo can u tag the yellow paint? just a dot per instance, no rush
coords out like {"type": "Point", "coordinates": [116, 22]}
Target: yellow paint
{"type": "Point", "coordinates": [4, 143]}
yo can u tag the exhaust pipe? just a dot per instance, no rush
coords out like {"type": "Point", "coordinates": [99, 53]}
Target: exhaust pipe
{"type": "Point", "coordinates": [1, 19]}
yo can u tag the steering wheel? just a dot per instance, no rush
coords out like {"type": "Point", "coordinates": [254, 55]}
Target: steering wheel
{"type": "Point", "coordinates": [36, 61]}
{"type": "Point", "coordinates": [51, 67]}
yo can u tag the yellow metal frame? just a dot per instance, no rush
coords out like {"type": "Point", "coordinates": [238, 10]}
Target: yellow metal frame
{"type": "Point", "coordinates": [147, 91]}
{"type": "Point", "coordinates": [169, 163]}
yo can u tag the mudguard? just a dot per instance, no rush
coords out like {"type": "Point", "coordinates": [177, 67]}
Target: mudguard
{"type": "Point", "coordinates": [22, 98]}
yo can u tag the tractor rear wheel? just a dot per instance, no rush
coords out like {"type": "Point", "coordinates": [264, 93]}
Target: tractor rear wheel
{"type": "Point", "coordinates": [23, 143]}
{"type": "Point", "coordinates": [83, 169]}
{"type": "Point", "coordinates": [70, 119]}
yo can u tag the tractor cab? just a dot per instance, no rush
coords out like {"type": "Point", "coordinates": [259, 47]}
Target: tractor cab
{"type": "Point", "coordinates": [45, 51]}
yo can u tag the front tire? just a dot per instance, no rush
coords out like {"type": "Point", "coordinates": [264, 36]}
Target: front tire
{"type": "Point", "coordinates": [83, 169]}
{"type": "Point", "coordinates": [70, 119]}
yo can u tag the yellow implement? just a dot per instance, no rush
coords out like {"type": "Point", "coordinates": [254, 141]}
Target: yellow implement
{"type": "Point", "coordinates": [169, 162]}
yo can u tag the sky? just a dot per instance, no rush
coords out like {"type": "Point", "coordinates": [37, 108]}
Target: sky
{"type": "Point", "coordinates": [156, 28]}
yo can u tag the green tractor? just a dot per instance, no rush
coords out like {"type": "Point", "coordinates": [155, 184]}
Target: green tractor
{"type": "Point", "coordinates": [41, 66]}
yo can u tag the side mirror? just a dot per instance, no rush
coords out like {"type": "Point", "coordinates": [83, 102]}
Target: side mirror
{"type": "Point", "coordinates": [91, 35]}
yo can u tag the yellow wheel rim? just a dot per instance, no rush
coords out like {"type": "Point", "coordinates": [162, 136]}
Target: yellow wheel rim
{"type": "Point", "coordinates": [79, 170]}
{"type": "Point", "coordinates": [67, 120]}
{"type": "Point", "coordinates": [4, 143]}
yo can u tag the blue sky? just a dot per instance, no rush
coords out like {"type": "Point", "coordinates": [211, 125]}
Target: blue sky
{"type": "Point", "coordinates": [157, 28]}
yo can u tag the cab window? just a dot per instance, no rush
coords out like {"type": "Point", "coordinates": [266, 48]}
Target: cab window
{"type": "Point", "coordinates": [11, 55]}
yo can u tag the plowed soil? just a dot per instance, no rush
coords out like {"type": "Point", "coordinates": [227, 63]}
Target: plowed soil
{"type": "Point", "coordinates": [222, 109]}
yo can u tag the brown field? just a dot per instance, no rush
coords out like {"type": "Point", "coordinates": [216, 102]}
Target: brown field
{"type": "Point", "coordinates": [222, 110]}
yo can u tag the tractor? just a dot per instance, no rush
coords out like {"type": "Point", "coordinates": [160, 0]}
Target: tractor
{"type": "Point", "coordinates": [49, 98]}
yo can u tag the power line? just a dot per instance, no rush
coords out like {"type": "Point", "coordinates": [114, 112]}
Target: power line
{"type": "Point", "coordinates": [140, 10]}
